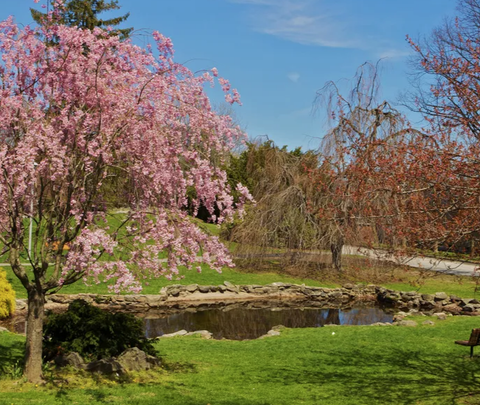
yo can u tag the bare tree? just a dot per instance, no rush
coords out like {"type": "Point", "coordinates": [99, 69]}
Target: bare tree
{"type": "Point", "coordinates": [363, 133]}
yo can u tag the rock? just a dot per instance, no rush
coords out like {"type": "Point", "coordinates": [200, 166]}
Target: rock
{"type": "Point", "coordinates": [134, 359]}
{"type": "Point", "coordinates": [106, 366]}
{"type": "Point", "coordinates": [441, 316]}
{"type": "Point", "coordinates": [2, 329]}
{"type": "Point", "coordinates": [474, 301]}
{"type": "Point", "coordinates": [348, 286]}
{"type": "Point", "coordinates": [465, 301]}
{"type": "Point", "coordinates": [279, 284]}
{"type": "Point", "coordinates": [191, 288]}
{"type": "Point", "coordinates": [295, 288]}
{"type": "Point", "coordinates": [427, 297]}
{"type": "Point", "coordinates": [452, 308]}
{"type": "Point", "coordinates": [427, 305]}
{"type": "Point", "coordinates": [71, 359]}
{"type": "Point", "coordinates": [20, 304]}
{"type": "Point", "coordinates": [392, 297]}
{"type": "Point", "coordinates": [204, 288]}
{"type": "Point", "coordinates": [229, 284]}
{"type": "Point", "coordinates": [336, 294]}
{"type": "Point", "coordinates": [428, 322]}
{"type": "Point", "coordinates": [407, 323]}
{"type": "Point", "coordinates": [278, 327]}
{"type": "Point", "coordinates": [409, 296]}
{"type": "Point", "coordinates": [155, 300]}
{"type": "Point", "coordinates": [169, 335]}
{"type": "Point", "coordinates": [174, 292]}
{"type": "Point", "coordinates": [370, 289]}
{"type": "Point", "coordinates": [245, 288]}
{"type": "Point", "coordinates": [316, 293]}
{"type": "Point", "coordinates": [205, 334]}
{"type": "Point", "coordinates": [440, 296]}
{"type": "Point", "coordinates": [468, 308]}
{"type": "Point", "coordinates": [230, 287]}
{"type": "Point", "coordinates": [381, 324]}
{"type": "Point", "coordinates": [222, 288]}
{"type": "Point", "coordinates": [270, 333]}
{"type": "Point", "coordinates": [398, 317]}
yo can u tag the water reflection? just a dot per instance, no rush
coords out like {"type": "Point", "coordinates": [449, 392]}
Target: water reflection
{"type": "Point", "coordinates": [243, 323]}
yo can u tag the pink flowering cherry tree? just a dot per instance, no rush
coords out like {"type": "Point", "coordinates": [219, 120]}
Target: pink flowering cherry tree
{"type": "Point", "coordinates": [77, 107]}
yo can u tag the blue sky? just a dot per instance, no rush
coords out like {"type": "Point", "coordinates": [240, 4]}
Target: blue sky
{"type": "Point", "coordinates": [278, 53]}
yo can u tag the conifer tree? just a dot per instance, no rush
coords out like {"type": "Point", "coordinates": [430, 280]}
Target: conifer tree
{"type": "Point", "coordinates": [84, 14]}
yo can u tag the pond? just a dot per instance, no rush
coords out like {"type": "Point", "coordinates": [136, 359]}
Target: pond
{"type": "Point", "coordinates": [248, 323]}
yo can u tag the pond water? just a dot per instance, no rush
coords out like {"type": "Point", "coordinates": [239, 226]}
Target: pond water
{"type": "Point", "coordinates": [248, 323]}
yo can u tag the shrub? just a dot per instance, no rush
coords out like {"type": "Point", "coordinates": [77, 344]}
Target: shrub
{"type": "Point", "coordinates": [92, 333]}
{"type": "Point", "coordinates": [7, 296]}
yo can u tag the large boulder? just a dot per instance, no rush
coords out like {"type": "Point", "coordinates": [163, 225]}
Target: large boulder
{"type": "Point", "coordinates": [134, 359]}
{"type": "Point", "coordinates": [70, 359]}
{"type": "Point", "coordinates": [106, 366]}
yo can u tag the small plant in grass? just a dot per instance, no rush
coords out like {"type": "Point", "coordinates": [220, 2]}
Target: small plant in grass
{"type": "Point", "coordinates": [92, 333]}
{"type": "Point", "coordinates": [7, 296]}
{"type": "Point", "coordinates": [12, 370]}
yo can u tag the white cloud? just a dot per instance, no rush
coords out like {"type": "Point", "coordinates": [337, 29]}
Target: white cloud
{"type": "Point", "coordinates": [394, 53]}
{"type": "Point", "coordinates": [301, 21]}
{"type": "Point", "coordinates": [319, 23]}
{"type": "Point", "coordinates": [294, 76]}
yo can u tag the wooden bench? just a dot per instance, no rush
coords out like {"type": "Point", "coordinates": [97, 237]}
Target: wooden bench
{"type": "Point", "coordinates": [472, 342]}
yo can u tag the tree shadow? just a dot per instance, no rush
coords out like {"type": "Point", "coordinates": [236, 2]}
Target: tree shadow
{"type": "Point", "coordinates": [401, 377]}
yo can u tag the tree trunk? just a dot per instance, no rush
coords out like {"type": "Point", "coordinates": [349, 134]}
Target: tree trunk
{"type": "Point", "coordinates": [336, 248]}
{"type": "Point", "coordinates": [33, 345]}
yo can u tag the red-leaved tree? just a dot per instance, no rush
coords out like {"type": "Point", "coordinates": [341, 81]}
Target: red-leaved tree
{"type": "Point", "coordinates": [353, 201]}
{"type": "Point", "coordinates": [390, 183]}
{"type": "Point", "coordinates": [79, 106]}
{"type": "Point", "coordinates": [443, 165]}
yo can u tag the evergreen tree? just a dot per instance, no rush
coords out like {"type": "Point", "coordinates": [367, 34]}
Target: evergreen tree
{"type": "Point", "coordinates": [84, 14]}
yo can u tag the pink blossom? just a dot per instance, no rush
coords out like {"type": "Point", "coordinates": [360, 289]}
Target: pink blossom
{"type": "Point", "coordinates": [71, 120]}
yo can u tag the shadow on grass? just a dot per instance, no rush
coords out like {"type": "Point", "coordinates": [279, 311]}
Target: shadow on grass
{"type": "Point", "coordinates": [11, 357]}
{"type": "Point", "coordinates": [403, 377]}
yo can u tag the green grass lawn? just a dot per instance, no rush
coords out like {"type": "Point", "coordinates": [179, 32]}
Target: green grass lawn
{"type": "Point", "coordinates": [400, 280]}
{"type": "Point", "coordinates": [206, 277]}
{"type": "Point", "coordinates": [359, 270]}
{"type": "Point", "coordinates": [336, 365]}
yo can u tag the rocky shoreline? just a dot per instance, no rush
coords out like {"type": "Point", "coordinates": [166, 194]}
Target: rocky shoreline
{"type": "Point", "coordinates": [181, 297]}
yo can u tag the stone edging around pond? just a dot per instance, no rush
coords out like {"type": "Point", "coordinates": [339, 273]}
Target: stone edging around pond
{"type": "Point", "coordinates": [190, 296]}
